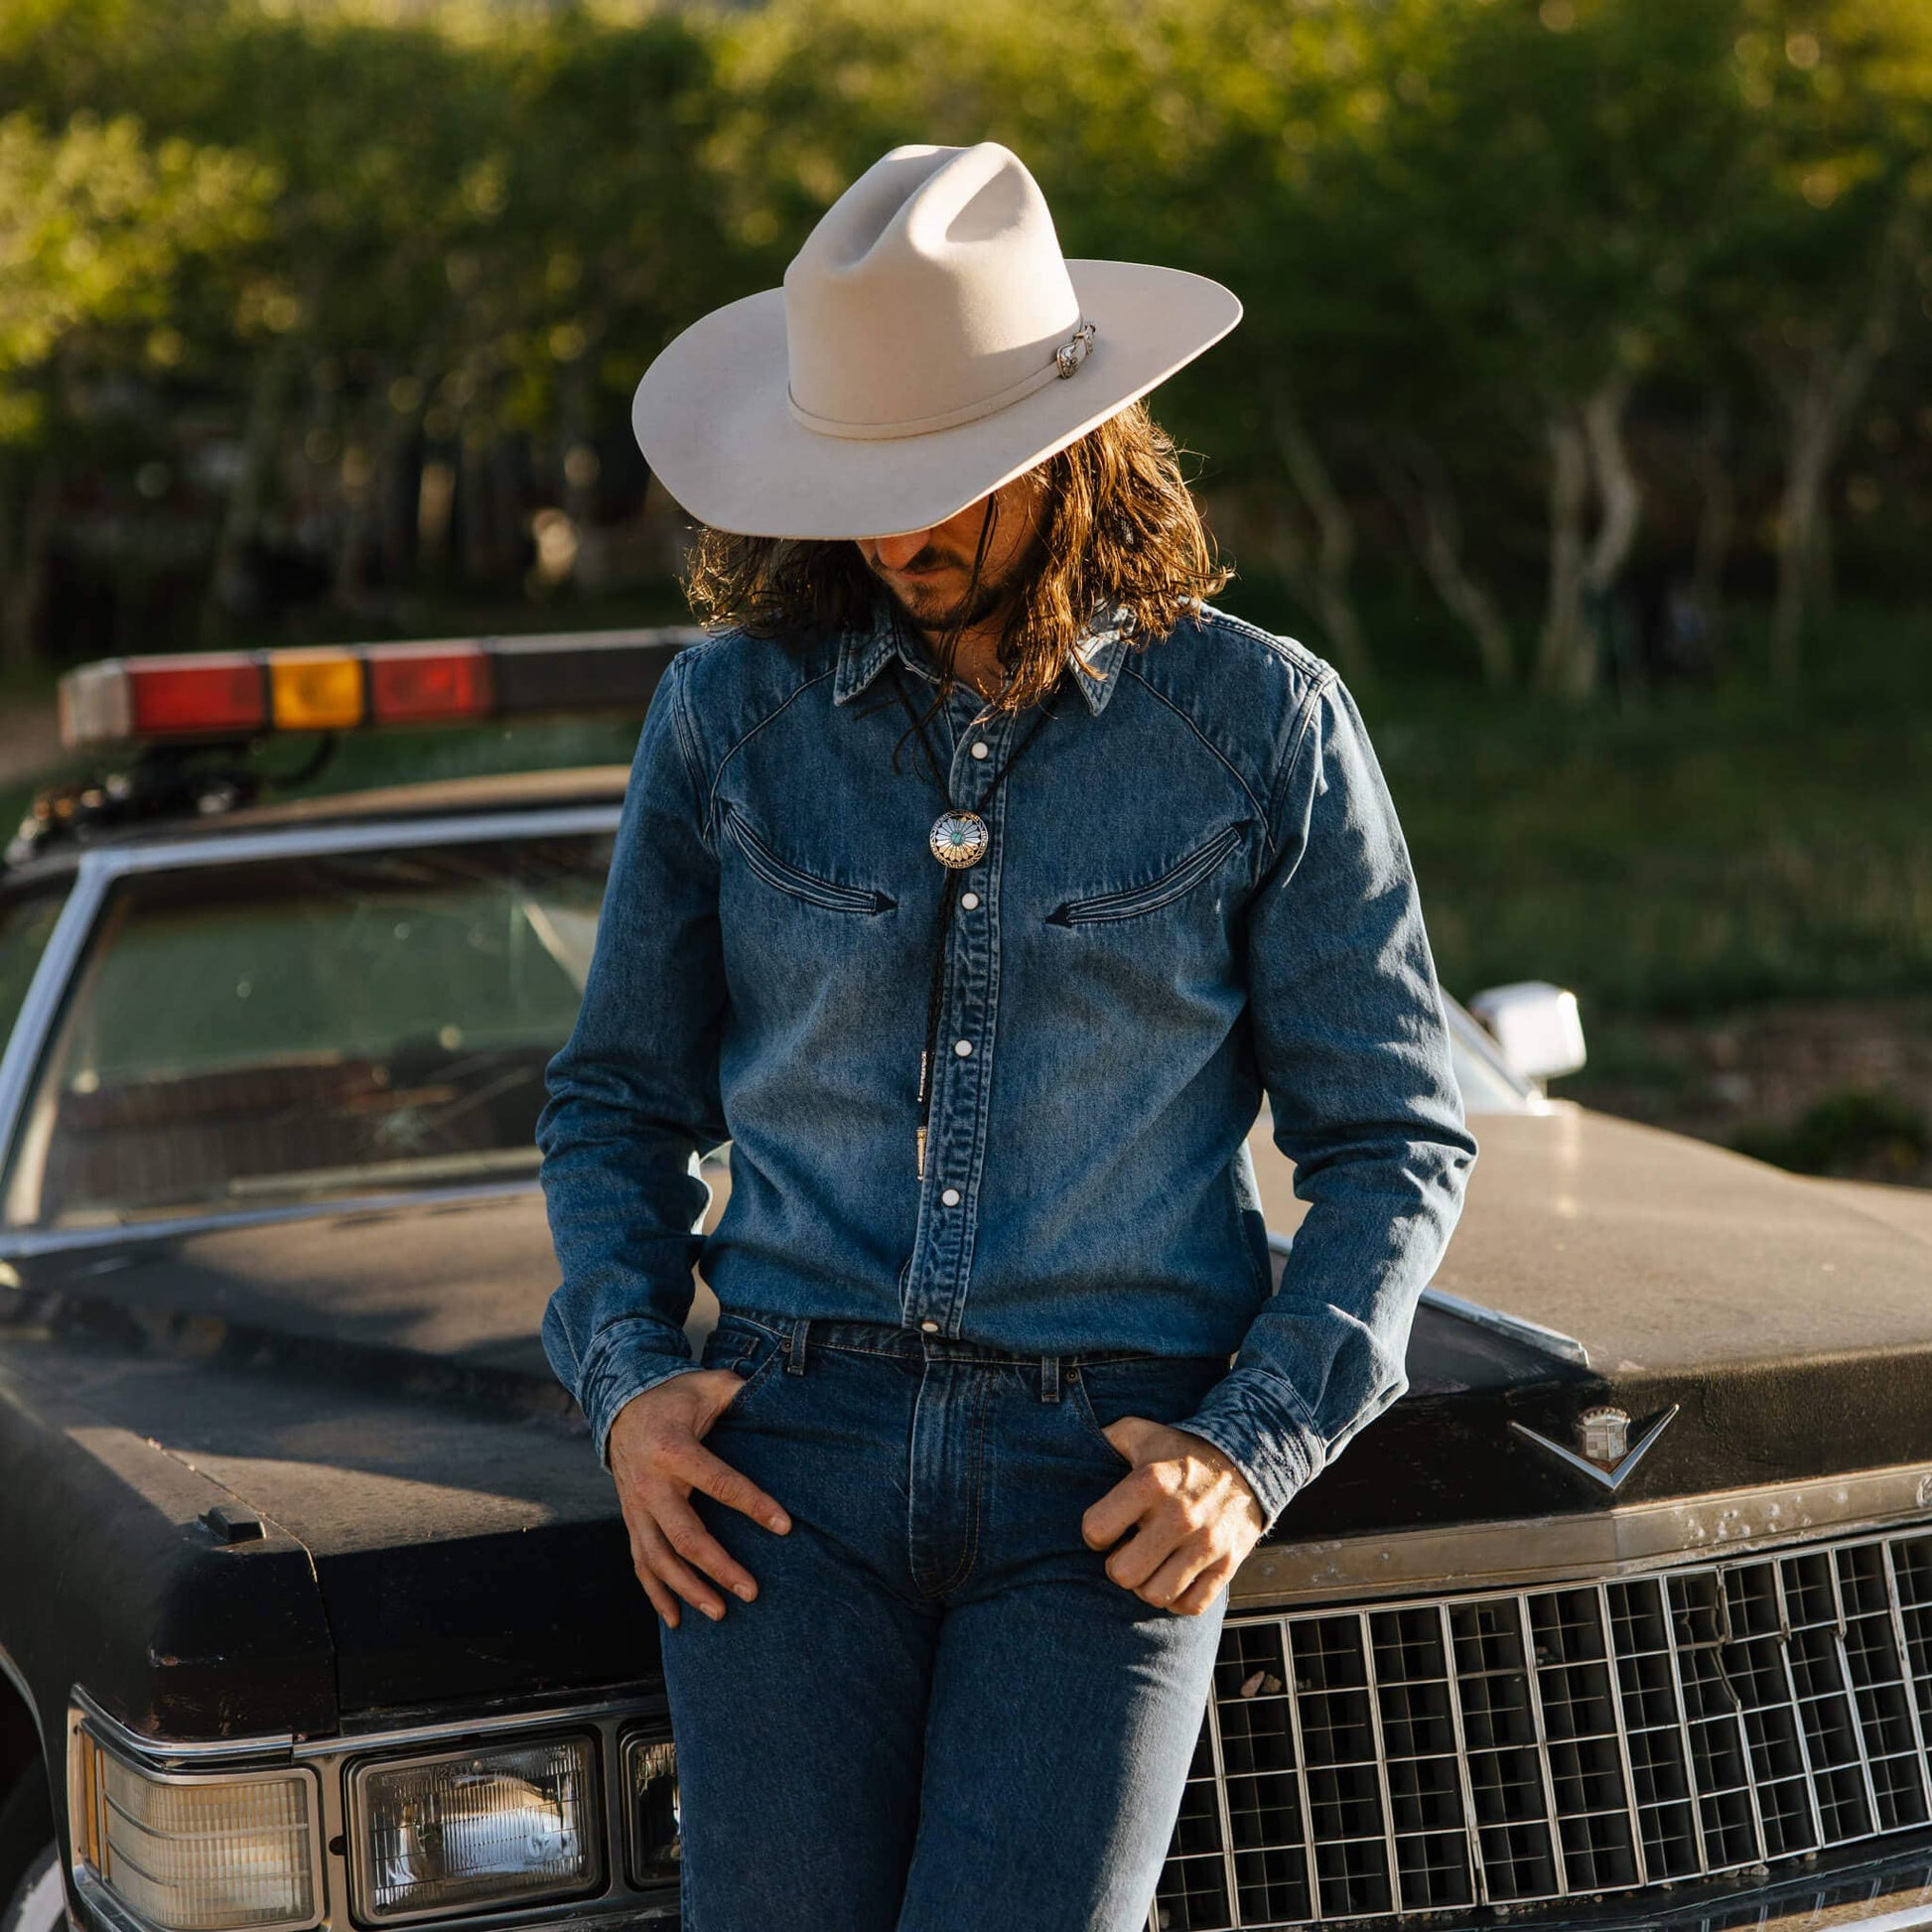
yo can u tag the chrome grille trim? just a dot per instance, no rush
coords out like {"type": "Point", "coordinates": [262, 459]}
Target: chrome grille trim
{"type": "Point", "coordinates": [1562, 1740]}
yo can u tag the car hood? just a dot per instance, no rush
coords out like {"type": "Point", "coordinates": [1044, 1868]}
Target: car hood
{"type": "Point", "coordinates": [1782, 1324]}
{"type": "Point", "coordinates": [371, 1383]}
{"type": "Point", "coordinates": [1659, 1251]}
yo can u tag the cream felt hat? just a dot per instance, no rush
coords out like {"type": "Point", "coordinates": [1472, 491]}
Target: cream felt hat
{"type": "Point", "coordinates": [930, 343]}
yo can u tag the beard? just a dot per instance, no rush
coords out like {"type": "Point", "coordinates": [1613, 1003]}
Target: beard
{"type": "Point", "coordinates": [930, 611]}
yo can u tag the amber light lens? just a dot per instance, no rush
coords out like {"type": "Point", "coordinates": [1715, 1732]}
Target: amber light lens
{"type": "Point", "coordinates": [475, 1830]}
{"type": "Point", "coordinates": [315, 690]}
{"type": "Point", "coordinates": [198, 1853]}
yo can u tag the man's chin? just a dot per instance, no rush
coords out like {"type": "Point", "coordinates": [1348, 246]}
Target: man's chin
{"type": "Point", "coordinates": [934, 611]}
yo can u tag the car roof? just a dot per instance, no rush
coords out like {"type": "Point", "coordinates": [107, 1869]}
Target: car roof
{"type": "Point", "coordinates": [585, 784]}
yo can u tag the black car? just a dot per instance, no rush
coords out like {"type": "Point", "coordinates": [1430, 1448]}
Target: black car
{"type": "Point", "coordinates": [316, 1610]}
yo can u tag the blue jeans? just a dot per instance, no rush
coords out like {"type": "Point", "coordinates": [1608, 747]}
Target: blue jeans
{"type": "Point", "coordinates": [939, 1713]}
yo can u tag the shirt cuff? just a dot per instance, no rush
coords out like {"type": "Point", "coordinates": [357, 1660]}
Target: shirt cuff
{"type": "Point", "coordinates": [1256, 1423]}
{"type": "Point", "coordinates": [620, 1371]}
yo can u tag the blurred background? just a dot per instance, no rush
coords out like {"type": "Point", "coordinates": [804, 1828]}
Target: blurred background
{"type": "Point", "coordinates": [1582, 413]}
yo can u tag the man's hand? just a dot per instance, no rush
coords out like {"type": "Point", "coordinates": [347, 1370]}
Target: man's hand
{"type": "Point", "coordinates": [656, 1460]}
{"type": "Point", "coordinates": [1193, 1514]}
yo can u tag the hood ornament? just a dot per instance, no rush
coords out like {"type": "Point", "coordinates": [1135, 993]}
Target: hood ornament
{"type": "Point", "coordinates": [1603, 1437]}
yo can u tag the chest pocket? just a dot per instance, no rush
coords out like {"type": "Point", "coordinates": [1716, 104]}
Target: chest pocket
{"type": "Point", "coordinates": [800, 884]}
{"type": "Point", "coordinates": [1181, 878]}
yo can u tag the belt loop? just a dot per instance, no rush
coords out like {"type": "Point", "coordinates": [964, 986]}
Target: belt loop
{"type": "Point", "coordinates": [1049, 1378]}
{"type": "Point", "coordinates": [795, 1347]}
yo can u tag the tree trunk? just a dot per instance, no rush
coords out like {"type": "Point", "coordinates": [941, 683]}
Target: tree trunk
{"type": "Point", "coordinates": [1717, 515]}
{"type": "Point", "coordinates": [1818, 403]}
{"type": "Point", "coordinates": [1334, 551]}
{"type": "Point", "coordinates": [1565, 638]}
{"type": "Point", "coordinates": [1418, 483]}
{"type": "Point", "coordinates": [23, 591]}
{"type": "Point", "coordinates": [1617, 490]}
{"type": "Point", "coordinates": [1815, 414]}
{"type": "Point", "coordinates": [261, 441]}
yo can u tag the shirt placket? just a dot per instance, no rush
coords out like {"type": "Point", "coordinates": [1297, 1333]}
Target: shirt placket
{"type": "Point", "coordinates": [943, 1256]}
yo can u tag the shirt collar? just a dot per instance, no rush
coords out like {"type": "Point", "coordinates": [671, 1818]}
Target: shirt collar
{"type": "Point", "coordinates": [864, 649]}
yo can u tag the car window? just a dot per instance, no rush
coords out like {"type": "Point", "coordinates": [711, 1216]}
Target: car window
{"type": "Point", "coordinates": [26, 925]}
{"type": "Point", "coordinates": [291, 1030]}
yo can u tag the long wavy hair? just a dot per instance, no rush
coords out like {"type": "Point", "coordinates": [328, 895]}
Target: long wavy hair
{"type": "Point", "coordinates": [1113, 523]}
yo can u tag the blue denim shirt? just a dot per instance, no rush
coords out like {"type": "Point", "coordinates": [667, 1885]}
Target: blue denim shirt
{"type": "Point", "coordinates": [1196, 890]}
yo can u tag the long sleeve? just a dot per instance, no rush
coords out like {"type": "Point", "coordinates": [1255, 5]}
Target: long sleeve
{"type": "Point", "coordinates": [633, 1094]}
{"type": "Point", "coordinates": [1352, 1045]}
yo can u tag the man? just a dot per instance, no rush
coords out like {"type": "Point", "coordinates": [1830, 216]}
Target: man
{"type": "Point", "coordinates": [999, 1396]}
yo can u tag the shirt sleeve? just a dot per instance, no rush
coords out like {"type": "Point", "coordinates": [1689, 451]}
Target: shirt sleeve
{"type": "Point", "coordinates": [633, 1094]}
{"type": "Point", "coordinates": [1352, 1045]}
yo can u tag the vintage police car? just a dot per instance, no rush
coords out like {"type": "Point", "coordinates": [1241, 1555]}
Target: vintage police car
{"type": "Point", "coordinates": [316, 1608]}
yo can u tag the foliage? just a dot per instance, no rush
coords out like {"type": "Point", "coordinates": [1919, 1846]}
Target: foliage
{"type": "Point", "coordinates": [1541, 294]}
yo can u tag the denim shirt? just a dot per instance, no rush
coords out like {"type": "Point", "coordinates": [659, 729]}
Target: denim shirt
{"type": "Point", "coordinates": [1195, 891]}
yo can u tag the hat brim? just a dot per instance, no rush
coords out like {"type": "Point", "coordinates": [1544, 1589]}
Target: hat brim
{"type": "Point", "coordinates": [712, 418]}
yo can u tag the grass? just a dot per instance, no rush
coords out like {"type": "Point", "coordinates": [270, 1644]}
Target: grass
{"type": "Point", "coordinates": [1702, 852]}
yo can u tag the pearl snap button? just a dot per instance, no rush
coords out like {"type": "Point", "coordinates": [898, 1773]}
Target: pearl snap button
{"type": "Point", "coordinates": [979, 748]}
{"type": "Point", "coordinates": [962, 1048]}
{"type": "Point", "coordinates": [950, 1197]}
{"type": "Point", "coordinates": [969, 900]}
{"type": "Point", "coordinates": [932, 1327]}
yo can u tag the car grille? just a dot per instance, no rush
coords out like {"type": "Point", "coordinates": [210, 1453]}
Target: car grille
{"type": "Point", "coordinates": [1550, 1742]}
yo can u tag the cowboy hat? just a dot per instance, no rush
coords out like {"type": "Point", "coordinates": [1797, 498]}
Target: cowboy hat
{"type": "Point", "coordinates": [930, 343]}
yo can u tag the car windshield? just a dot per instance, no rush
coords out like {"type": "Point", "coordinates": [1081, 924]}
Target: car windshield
{"type": "Point", "coordinates": [26, 925]}
{"type": "Point", "coordinates": [308, 1027]}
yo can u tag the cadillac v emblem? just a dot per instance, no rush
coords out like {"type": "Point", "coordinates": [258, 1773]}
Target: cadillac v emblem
{"type": "Point", "coordinates": [1607, 1454]}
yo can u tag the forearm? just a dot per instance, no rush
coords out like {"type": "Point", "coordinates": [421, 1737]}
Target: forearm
{"type": "Point", "coordinates": [1324, 1355]}
{"type": "Point", "coordinates": [1351, 1042]}
{"type": "Point", "coordinates": [624, 1203]}
{"type": "Point", "coordinates": [633, 1094]}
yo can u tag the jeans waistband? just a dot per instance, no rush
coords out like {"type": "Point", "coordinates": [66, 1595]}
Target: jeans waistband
{"type": "Point", "coordinates": [803, 1335]}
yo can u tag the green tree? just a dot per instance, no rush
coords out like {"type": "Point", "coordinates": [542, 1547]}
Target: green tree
{"type": "Point", "coordinates": [98, 226]}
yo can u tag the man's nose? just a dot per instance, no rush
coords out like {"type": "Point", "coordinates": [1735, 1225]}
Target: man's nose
{"type": "Point", "coordinates": [896, 552]}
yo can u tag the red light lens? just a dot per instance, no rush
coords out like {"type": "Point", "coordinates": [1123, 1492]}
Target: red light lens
{"type": "Point", "coordinates": [423, 686]}
{"type": "Point", "coordinates": [223, 694]}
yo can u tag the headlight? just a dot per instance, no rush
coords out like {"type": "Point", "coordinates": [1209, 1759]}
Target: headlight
{"type": "Point", "coordinates": [200, 1854]}
{"type": "Point", "coordinates": [508, 1826]}
{"type": "Point", "coordinates": [650, 1804]}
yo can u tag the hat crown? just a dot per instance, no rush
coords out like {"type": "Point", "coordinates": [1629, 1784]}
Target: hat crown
{"type": "Point", "coordinates": [933, 291]}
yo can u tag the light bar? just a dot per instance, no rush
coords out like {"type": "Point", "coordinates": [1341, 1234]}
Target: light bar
{"type": "Point", "coordinates": [213, 697]}
{"type": "Point", "coordinates": [475, 1830]}
{"type": "Point", "coordinates": [208, 1853]}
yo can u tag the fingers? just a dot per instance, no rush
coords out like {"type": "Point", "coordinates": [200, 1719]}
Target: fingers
{"type": "Point", "coordinates": [682, 1529]}
{"type": "Point", "coordinates": [1108, 1520]}
{"type": "Point", "coordinates": [661, 1600]}
{"type": "Point", "coordinates": [695, 1465]}
{"type": "Point", "coordinates": [671, 1569]}
{"type": "Point", "coordinates": [1190, 1581]}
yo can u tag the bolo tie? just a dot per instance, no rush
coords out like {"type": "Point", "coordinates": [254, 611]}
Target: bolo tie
{"type": "Point", "coordinates": [958, 839]}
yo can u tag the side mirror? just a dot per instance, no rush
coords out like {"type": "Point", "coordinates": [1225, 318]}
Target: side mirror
{"type": "Point", "coordinates": [1536, 1025]}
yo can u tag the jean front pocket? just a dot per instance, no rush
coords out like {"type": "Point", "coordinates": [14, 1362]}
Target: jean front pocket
{"type": "Point", "coordinates": [1166, 1389]}
{"type": "Point", "coordinates": [748, 1348]}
